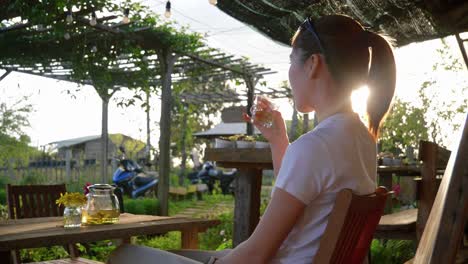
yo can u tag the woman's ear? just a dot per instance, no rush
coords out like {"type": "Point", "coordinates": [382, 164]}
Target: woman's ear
{"type": "Point", "coordinates": [313, 64]}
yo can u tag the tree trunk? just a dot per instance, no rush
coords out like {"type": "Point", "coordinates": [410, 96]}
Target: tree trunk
{"type": "Point", "coordinates": [305, 124]}
{"type": "Point", "coordinates": [183, 147]}
{"type": "Point", "coordinates": [294, 123]}
{"type": "Point", "coordinates": [148, 130]}
{"type": "Point", "coordinates": [166, 59]}
{"type": "Point", "coordinates": [104, 140]}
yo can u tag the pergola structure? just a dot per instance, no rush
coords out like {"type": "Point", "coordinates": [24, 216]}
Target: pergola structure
{"type": "Point", "coordinates": [110, 55]}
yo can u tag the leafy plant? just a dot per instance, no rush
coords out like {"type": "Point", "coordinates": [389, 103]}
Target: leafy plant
{"type": "Point", "coordinates": [392, 251]}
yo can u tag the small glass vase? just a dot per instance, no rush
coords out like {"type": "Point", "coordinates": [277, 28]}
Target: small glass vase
{"type": "Point", "coordinates": [72, 217]}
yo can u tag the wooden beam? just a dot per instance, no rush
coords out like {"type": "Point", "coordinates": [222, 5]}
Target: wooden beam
{"type": "Point", "coordinates": [461, 44]}
{"type": "Point", "coordinates": [4, 75]}
{"type": "Point", "coordinates": [444, 228]}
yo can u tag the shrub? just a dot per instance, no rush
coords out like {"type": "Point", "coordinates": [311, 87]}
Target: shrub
{"type": "Point", "coordinates": [43, 254]}
{"type": "Point", "coordinates": [147, 206]}
{"type": "Point", "coordinates": [219, 237]}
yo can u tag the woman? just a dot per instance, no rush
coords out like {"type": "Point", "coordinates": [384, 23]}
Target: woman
{"type": "Point", "coordinates": [330, 58]}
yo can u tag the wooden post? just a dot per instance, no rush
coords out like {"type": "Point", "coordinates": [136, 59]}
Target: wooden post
{"type": "Point", "coordinates": [183, 146]}
{"type": "Point", "coordinates": [190, 238]}
{"type": "Point", "coordinates": [104, 139]}
{"type": "Point", "coordinates": [428, 189]}
{"type": "Point", "coordinates": [166, 59]}
{"type": "Point", "coordinates": [247, 204]}
{"type": "Point", "coordinates": [250, 83]}
{"type": "Point", "coordinates": [68, 157]}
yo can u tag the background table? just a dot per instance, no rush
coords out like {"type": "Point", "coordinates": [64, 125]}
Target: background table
{"type": "Point", "coordinates": [250, 163]}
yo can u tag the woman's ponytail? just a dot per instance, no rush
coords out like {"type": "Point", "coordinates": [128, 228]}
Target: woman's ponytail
{"type": "Point", "coordinates": [381, 81]}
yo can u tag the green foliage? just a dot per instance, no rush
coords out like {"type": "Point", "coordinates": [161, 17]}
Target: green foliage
{"type": "Point", "coordinates": [14, 143]}
{"type": "Point", "coordinates": [392, 251]}
{"type": "Point", "coordinates": [169, 241]}
{"type": "Point", "coordinates": [300, 127]}
{"type": "Point", "coordinates": [132, 146]}
{"type": "Point", "coordinates": [436, 116]}
{"type": "Point", "coordinates": [43, 254]}
{"type": "Point", "coordinates": [403, 127]}
{"type": "Point", "coordinates": [145, 206]}
{"type": "Point", "coordinates": [98, 251]}
{"type": "Point", "coordinates": [3, 212]}
{"type": "Point", "coordinates": [218, 237]}
{"type": "Point", "coordinates": [445, 106]}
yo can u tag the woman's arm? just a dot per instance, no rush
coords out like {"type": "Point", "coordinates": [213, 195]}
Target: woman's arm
{"type": "Point", "coordinates": [278, 220]}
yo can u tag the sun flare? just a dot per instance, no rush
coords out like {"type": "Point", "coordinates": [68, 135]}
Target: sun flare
{"type": "Point", "coordinates": [359, 100]}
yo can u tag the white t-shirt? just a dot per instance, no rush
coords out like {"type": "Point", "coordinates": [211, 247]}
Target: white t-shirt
{"type": "Point", "coordinates": [339, 153]}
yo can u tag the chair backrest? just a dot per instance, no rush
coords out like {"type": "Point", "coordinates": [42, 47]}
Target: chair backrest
{"type": "Point", "coordinates": [29, 201]}
{"type": "Point", "coordinates": [444, 228]}
{"type": "Point", "coordinates": [351, 226]}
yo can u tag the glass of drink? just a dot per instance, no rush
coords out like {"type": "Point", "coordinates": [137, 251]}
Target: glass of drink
{"type": "Point", "coordinates": [262, 111]}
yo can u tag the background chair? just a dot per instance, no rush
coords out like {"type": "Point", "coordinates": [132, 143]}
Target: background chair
{"type": "Point", "coordinates": [351, 226]}
{"type": "Point", "coordinates": [31, 201]}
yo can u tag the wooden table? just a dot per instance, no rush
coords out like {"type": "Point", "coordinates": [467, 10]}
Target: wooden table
{"type": "Point", "coordinates": [250, 163]}
{"type": "Point", "coordinates": [49, 231]}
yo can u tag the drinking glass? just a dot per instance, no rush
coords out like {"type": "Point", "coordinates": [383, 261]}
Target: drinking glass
{"type": "Point", "coordinates": [263, 114]}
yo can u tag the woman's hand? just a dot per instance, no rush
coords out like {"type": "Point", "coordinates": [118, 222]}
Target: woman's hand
{"type": "Point", "coordinates": [276, 134]}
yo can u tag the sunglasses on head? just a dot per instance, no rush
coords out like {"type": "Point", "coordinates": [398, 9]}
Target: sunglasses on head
{"type": "Point", "coordinates": [309, 26]}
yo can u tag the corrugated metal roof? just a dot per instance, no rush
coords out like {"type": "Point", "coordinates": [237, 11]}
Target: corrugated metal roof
{"type": "Point", "coordinates": [226, 129]}
{"type": "Point", "coordinates": [73, 141]}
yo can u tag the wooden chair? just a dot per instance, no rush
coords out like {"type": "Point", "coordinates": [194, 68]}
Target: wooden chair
{"type": "Point", "coordinates": [442, 236]}
{"type": "Point", "coordinates": [31, 201]}
{"type": "Point", "coordinates": [409, 224]}
{"type": "Point", "coordinates": [351, 226]}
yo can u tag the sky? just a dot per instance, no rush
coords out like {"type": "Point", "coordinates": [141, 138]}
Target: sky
{"type": "Point", "coordinates": [59, 115]}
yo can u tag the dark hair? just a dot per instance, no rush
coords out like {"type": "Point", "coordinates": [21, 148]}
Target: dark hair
{"type": "Point", "coordinates": [355, 57]}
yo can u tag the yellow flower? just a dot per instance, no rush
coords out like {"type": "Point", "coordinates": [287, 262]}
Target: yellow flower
{"type": "Point", "coordinates": [71, 199]}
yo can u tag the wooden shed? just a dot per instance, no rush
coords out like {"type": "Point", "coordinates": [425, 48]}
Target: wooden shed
{"type": "Point", "coordinates": [89, 147]}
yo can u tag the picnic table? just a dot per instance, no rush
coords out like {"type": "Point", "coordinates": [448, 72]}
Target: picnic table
{"type": "Point", "coordinates": [49, 231]}
{"type": "Point", "coordinates": [251, 162]}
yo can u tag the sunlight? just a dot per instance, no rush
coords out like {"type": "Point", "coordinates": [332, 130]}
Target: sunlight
{"type": "Point", "coordinates": [359, 100]}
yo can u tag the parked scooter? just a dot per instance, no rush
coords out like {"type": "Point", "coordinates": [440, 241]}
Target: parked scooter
{"type": "Point", "coordinates": [130, 178]}
{"type": "Point", "coordinates": [209, 175]}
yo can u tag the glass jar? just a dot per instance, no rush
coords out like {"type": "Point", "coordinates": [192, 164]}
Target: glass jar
{"type": "Point", "coordinates": [102, 206]}
{"type": "Point", "coordinates": [72, 217]}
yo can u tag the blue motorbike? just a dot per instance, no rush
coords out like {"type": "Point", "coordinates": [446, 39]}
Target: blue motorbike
{"type": "Point", "coordinates": [130, 178]}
